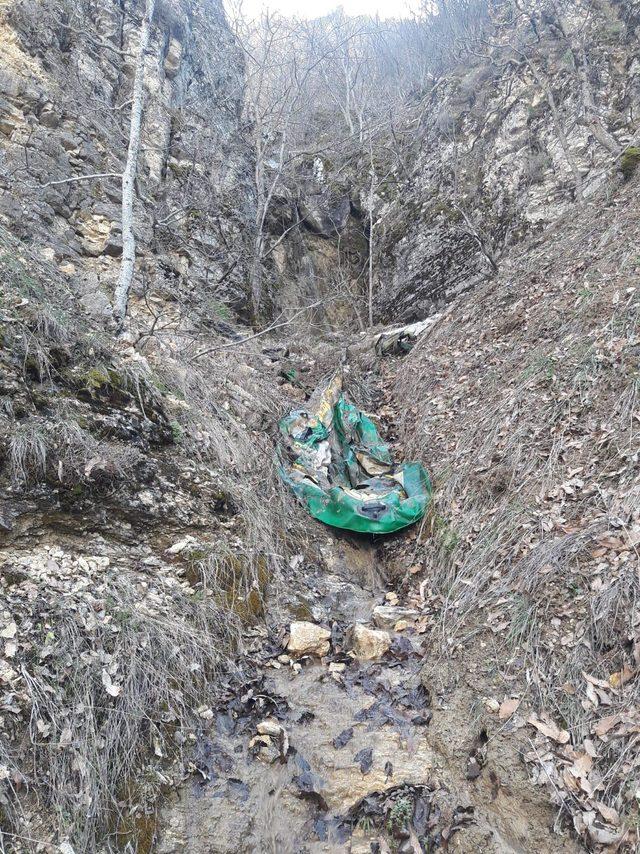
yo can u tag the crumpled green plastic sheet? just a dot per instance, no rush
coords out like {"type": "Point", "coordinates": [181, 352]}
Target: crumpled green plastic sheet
{"type": "Point", "coordinates": [337, 465]}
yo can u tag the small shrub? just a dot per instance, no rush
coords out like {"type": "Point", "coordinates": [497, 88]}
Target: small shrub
{"type": "Point", "coordinates": [537, 164]}
{"type": "Point", "coordinates": [177, 432]}
{"type": "Point", "coordinates": [629, 161]}
{"type": "Point", "coordinates": [400, 814]}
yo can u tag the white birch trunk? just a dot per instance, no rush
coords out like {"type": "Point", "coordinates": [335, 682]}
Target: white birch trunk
{"type": "Point", "coordinates": [127, 266]}
{"type": "Point", "coordinates": [371, 236]}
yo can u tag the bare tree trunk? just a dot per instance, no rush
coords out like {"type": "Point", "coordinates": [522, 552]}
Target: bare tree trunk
{"type": "Point", "coordinates": [255, 275]}
{"type": "Point", "coordinates": [372, 172]}
{"type": "Point", "coordinates": [265, 194]}
{"type": "Point", "coordinates": [472, 229]}
{"type": "Point", "coordinates": [255, 271]}
{"type": "Point", "coordinates": [127, 266]}
{"type": "Point", "coordinates": [477, 235]}
{"type": "Point", "coordinates": [544, 84]}
{"type": "Point", "coordinates": [347, 91]}
{"type": "Point", "coordinates": [594, 120]}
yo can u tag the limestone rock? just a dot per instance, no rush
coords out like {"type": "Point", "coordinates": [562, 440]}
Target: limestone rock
{"type": "Point", "coordinates": [265, 748]}
{"type": "Point", "coordinates": [270, 727]}
{"type": "Point", "coordinates": [308, 639]}
{"type": "Point", "coordinates": [173, 58]}
{"type": "Point", "coordinates": [386, 616]}
{"type": "Point", "coordinates": [272, 740]}
{"type": "Point", "coordinates": [94, 231]}
{"type": "Point", "coordinates": [113, 245]}
{"type": "Point", "coordinates": [10, 117]}
{"type": "Point", "coordinates": [369, 644]}
{"type": "Point", "coordinates": [322, 215]}
{"type": "Point", "coordinates": [96, 304]}
{"type": "Point", "coordinates": [70, 141]}
{"type": "Point", "coordinates": [49, 117]}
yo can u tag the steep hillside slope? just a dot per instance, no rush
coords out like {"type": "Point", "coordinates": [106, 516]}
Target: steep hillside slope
{"type": "Point", "coordinates": [65, 92]}
{"type": "Point", "coordinates": [140, 520]}
{"type": "Point", "coordinates": [135, 534]}
{"type": "Point", "coordinates": [523, 402]}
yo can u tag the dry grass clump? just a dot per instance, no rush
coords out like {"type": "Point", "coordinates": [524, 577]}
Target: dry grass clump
{"type": "Point", "coordinates": [61, 452]}
{"type": "Point", "coordinates": [27, 454]}
{"type": "Point", "coordinates": [217, 405]}
{"type": "Point", "coordinates": [37, 310]}
{"type": "Point", "coordinates": [42, 340]}
{"type": "Point", "coordinates": [115, 674]}
{"type": "Point", "coordinates": [227, 410]}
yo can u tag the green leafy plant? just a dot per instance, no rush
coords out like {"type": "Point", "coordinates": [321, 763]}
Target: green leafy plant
{"type": "Point", "coordinates": [177, 432]}
{"type": "Point", "coordinates": [365, 824]}
{"type": "Point", "coordinates": [400, 813]}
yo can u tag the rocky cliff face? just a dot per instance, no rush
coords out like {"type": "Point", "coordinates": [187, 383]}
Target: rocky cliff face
{"type": "Point", "coordinates": [318, 249]}
{"type": "Point", "coordinates": [65, 90]}
{"type": "Point", "coordinates": [533, 124]}
{"type": "Point", "coordinates": [529, 120]}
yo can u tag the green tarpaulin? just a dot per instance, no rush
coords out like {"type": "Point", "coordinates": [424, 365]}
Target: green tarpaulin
{"type": "Point", "coordinates": [335, 462]}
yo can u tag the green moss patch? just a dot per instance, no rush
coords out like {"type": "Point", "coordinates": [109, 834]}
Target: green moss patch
{"type": "Point", "coordinates": [629, 161]}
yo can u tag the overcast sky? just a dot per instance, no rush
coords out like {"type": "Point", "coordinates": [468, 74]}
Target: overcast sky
{"type": "Point", "coordinates": [316, 8]}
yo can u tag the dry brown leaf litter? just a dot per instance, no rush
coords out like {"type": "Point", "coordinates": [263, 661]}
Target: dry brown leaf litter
{"type": "Point", "coordinates": [524, 403]}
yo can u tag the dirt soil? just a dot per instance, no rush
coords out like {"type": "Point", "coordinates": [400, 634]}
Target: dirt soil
{"type": "Point", "coordinates": [378, 757]}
